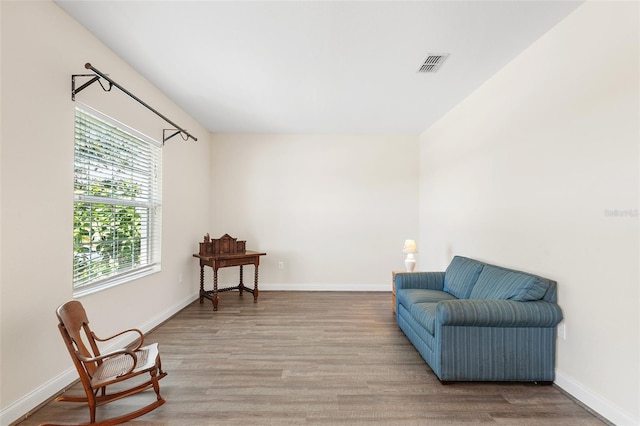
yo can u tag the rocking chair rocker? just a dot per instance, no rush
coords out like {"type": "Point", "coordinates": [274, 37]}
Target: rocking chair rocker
{"type": "Point", "coordinates": [97, 371]}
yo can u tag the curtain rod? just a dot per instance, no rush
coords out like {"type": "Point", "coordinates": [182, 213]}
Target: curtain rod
{"type": "Point", "coordinates": [179, 130]}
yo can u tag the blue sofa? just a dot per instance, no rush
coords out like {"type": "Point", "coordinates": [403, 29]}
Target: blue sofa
{"type": "Point", "coordinates": [480, 322]}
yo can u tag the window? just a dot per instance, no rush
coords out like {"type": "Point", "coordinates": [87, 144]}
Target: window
{"type": "Point", "coordinates": [117, 203]}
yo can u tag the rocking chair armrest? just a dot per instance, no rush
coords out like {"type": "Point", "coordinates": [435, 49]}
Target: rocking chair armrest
{"type": "Point", "coordinates": [135, 330]}
{"type": "Point", "coordinates": [105, 356]}
{"type": "Point", "coordinates": [134, 364]}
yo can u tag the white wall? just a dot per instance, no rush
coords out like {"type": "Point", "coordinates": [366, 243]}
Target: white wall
{"type": "Point", "coordinates": [527, 172]}
{"type": "Point", "coordinates": [41, 48]}
{"type": "Point", "coordinates": [335, 209]}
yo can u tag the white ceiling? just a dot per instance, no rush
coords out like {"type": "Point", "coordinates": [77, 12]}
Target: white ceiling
{"type": "Point", "coordinates": [315, 66]}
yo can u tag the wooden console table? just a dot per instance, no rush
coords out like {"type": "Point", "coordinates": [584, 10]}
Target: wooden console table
{"type": "Point", "coordinates": [222, 253]}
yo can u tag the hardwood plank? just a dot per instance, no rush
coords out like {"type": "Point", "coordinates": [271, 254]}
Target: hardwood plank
{"type": "Point", "coordinates": [314, 358]}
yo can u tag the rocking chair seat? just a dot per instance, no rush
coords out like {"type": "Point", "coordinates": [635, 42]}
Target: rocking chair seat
{"type": "Point", "coordinates": [120, 365]}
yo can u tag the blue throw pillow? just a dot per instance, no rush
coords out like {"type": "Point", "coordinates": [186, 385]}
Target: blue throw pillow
{"type": "Point", "coordinates": [499, 283]}
{"type": "Point", "coordinates": [461, 275]}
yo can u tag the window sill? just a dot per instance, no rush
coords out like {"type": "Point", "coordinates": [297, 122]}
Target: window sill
{"type": "Point", "coordinates": [116, 280]}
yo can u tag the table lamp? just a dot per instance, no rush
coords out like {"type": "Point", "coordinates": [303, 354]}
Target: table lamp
{"type": "Point", "coordinates": [410, 248]}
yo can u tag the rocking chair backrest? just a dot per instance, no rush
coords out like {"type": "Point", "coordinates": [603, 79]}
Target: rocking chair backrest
{"type": "Point", "coordinates": [74, 327]}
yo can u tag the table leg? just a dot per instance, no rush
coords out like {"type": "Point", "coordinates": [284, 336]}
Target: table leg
{"type": "Point", "coordinates": [201, 283]}
{"type": "Point", "coordinates": [241, 284]}
{"type": "Point", "coordinates": [255, 286]}
{"type": "Point", "coordinates": [214, 297]}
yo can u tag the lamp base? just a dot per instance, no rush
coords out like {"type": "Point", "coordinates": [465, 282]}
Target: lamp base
{"type": "Point", "coordinates": [410, 263]}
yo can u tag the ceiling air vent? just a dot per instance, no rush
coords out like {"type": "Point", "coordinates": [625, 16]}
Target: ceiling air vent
{"type": "Point", "coordinates": [433, 62]}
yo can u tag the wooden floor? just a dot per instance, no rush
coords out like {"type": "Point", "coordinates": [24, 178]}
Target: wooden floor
{"type": "Point", "coordinates": [320, 358]}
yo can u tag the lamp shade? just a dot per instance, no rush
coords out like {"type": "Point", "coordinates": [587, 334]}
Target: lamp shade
{"type": "Point", "coordinates": [410, 247]}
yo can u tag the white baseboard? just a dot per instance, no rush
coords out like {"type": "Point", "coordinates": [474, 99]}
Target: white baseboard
{"type": "Point", "coordinates": [167, 313]}
{"type": "Point", "coordinates": [595, 402]}
{"type": "Point", "coordinates": [324, 287]}
{"type": "Point", "coordinates": [25, 405]}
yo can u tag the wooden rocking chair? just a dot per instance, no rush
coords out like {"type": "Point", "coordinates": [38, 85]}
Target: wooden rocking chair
{"type": "Point", "coordinates": [97, 371]}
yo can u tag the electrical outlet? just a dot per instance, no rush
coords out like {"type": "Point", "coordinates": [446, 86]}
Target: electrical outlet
{"type": "Point", "coordinates": [562, 331]}
{"type": "Point", "coordinates": [280, 265]}
{"type": "Point", "coordinates": [180, 278]}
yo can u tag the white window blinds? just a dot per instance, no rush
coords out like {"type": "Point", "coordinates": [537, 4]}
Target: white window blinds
{"type": "Point", "coordinates": [117, 202]}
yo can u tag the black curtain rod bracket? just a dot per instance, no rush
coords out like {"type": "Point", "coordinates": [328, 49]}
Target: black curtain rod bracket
{"type": "Point", "coordinates": [176, 132]}
{"type": "Point", "coordinates": [85, 85]}
{"type": "Point", "coordinates": [98, 75]}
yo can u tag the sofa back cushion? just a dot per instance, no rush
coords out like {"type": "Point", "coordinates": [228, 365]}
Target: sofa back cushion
{"type": "Point", "coordinates": [551, 295]}
{"type": "Point", "coordinates": [500, 283]}
{"type": "Point", "coordinates": [461, 275]}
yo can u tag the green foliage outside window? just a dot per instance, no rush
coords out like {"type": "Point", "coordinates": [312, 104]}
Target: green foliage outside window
{"type": "Point", "coordinates": [107, 239]}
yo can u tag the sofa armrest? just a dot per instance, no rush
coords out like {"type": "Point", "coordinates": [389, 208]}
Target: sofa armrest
{"type": "Point", "coordinates": [498, 313]}
{"type": "Point", "coordinates": [423, 280]}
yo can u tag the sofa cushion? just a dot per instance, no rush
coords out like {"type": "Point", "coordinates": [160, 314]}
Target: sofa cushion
{"type": "Point", "coordinates": [499, 283]}
{"type": "Point", "coordinates": [410, 296]}
{"type": "Point", "coordinates": [461, 275]}
{"type": "Point", "coordinates": [425, 315]}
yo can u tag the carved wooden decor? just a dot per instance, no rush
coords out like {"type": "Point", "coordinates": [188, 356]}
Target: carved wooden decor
{"type": "Point", "coordinates": [223, 245]}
